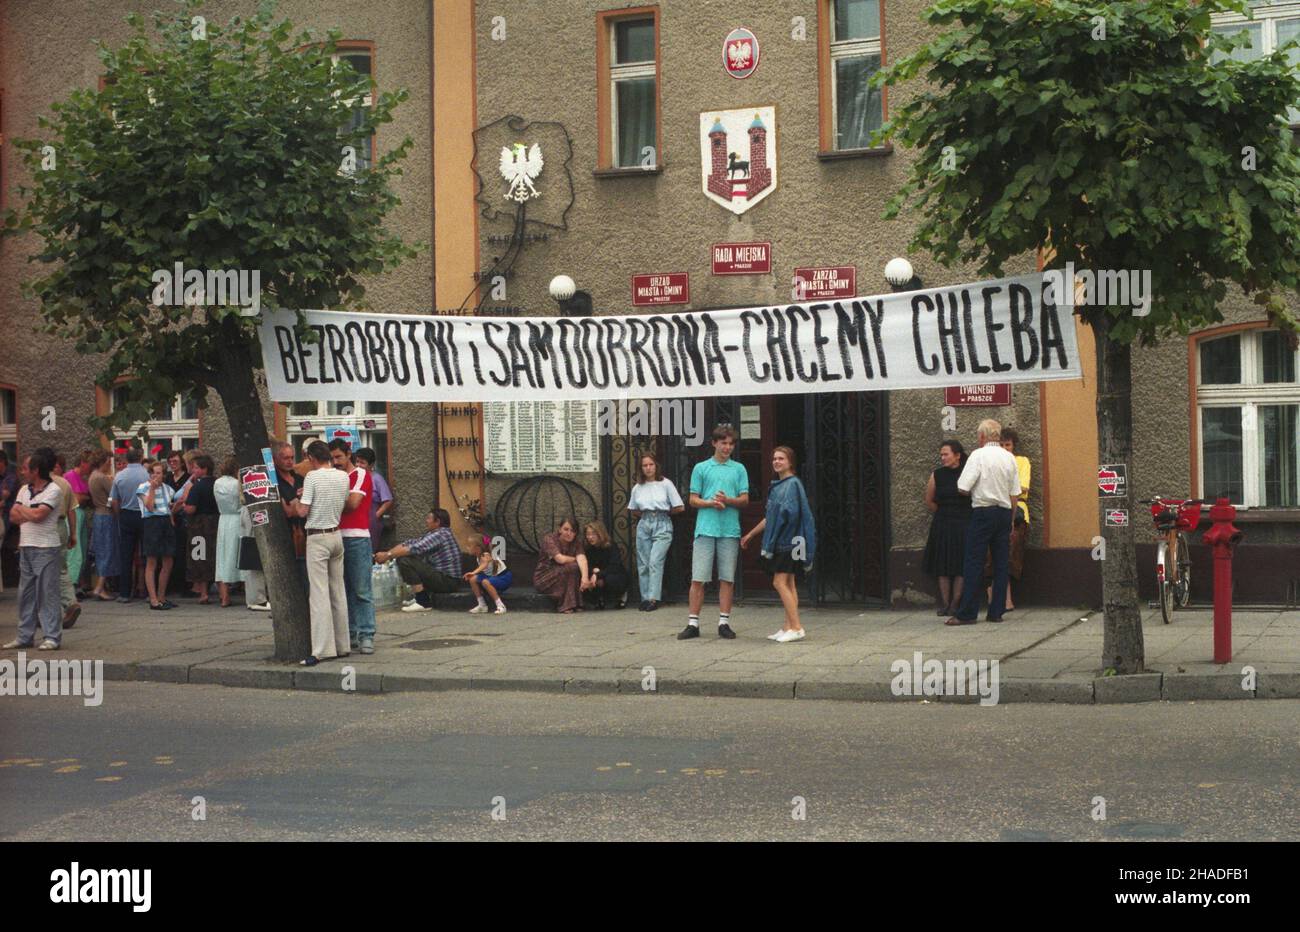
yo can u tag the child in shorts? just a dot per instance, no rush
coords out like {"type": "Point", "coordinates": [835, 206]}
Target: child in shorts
{"type": "Point", "coordinates": [490, 576]}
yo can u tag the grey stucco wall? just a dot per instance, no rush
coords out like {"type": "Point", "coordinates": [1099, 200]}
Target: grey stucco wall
{"type": "Point", "coordinates": [822, 212]}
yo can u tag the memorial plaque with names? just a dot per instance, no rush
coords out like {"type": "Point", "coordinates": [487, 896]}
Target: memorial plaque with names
{"type": "Point", "coordinates": [540, 436]}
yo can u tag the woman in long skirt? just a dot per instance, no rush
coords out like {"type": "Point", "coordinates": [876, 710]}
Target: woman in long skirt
{"type": "Point", "coordinates": [226, 490]}
{"type": "Point", "coordinates": [945, 548]}
{"type": "Point", "coordinates": [561, 571]}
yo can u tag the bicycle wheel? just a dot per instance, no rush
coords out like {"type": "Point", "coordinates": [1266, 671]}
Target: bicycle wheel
{"type": "Point", "coordinates": [1164, 588]}
{"type": "Point", "coordinates": [1183, 590]}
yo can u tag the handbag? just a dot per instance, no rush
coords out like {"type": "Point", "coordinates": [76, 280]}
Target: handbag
{"type": "Point", "coordinates": [249, 558]}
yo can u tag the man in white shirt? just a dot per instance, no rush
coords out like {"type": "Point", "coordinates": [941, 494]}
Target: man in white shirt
{"type": "Point", "coordinates": [992, 481]}
{"type": "Point", "coordinates": [36, 511]}
{"type": "Point", "coordinates": [324, 495]}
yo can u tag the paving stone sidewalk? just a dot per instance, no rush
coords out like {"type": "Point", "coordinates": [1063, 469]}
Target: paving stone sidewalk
{"type": "Point", "coordinates": [1044, 654]}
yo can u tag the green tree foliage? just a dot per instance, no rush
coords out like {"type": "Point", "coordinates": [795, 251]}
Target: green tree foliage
{"type": "Point", "coordinates": [220, 153]}
{"type": "Point", "coordinates": [1126, 151]}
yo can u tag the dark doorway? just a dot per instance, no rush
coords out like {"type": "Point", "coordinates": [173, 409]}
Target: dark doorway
{"type": "Point", "coordinates": [840, 444]}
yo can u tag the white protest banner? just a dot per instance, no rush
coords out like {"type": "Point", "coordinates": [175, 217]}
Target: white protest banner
{"type": "Point", "coordinates": [987, 332]}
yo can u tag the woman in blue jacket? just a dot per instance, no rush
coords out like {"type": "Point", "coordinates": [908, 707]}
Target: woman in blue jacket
{"type": "Point", "coordinates": [789, 540]}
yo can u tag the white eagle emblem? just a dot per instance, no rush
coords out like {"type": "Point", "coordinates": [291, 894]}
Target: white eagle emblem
{"type": "Point", "coordinates": [520, 169]}
{"type": "Point", "coordinates": [739, 54]}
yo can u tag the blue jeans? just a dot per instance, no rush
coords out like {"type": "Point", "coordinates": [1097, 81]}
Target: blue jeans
{"type": "Point", "coordinates": [989, 528]}
{"type": "Point", "coordinates": [654, 535]}
{"type": "Point", "coordinates": [358, 560]}
{"type": "Point", "coordinates": [38, 593]}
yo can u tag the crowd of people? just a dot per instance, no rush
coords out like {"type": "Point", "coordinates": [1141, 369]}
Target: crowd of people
{"type": "Point", "coordinates": [126, 527]}
{"type": "Point", "coordinates": [980, 523]}
{"type": "Point", "coordinates": [123, 526]}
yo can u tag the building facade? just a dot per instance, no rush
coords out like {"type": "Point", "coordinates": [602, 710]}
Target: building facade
{"type": "Point", "coordinates": [667, 130]}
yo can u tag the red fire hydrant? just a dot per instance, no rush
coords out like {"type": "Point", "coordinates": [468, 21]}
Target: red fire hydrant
{"type": "Point", "coordinates": [1221, 537]}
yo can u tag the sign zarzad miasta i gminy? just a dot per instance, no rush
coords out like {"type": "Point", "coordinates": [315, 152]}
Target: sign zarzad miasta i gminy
{"type": "Point", "coordinates": [995, 331]}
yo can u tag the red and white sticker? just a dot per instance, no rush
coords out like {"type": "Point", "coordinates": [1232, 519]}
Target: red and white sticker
{"type": "Point", "coordinates": [1112, 480]}
{"type": "Point", "coordinates": [1116, 517]}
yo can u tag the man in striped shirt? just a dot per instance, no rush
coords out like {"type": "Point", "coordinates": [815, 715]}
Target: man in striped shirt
{"type": "Point", "coordinates": [431, 563]}
{"type": "Point", "coordinates": [324, 495]}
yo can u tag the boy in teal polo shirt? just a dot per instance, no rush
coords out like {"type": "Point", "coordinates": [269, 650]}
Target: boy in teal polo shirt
{"type": "Point", "coordinates": [719, 489]}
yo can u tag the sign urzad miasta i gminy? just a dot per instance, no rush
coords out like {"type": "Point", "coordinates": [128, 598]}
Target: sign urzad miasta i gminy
{"type": "Point", "coordinates": [994, 331]}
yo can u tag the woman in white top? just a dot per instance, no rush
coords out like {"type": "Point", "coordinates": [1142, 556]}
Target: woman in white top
{"type": "Point", "coordinates": [226, 491]}
{"type": "Point", "coordinates": [653, 500]}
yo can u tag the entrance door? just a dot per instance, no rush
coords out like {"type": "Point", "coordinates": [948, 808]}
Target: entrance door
{"type": "Point", "coordinates": [764, 422]}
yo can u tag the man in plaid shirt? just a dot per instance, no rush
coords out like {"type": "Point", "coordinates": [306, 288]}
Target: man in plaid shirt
{"type": "Point", "coordinates": [430, 563]}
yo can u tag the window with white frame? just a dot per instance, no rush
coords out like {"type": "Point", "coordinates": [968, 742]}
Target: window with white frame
{"type": "Point", "coordinates": [175, 425]}
{"type": "Point", "coordinates": [856, 109]}
{"type": "Point", "coordinates": [361, 61]}
{"type": "Point", "coordinates": [1272, 26]}
{"type": "Point", "coordinates": [633, 91]}
{"type": "Point", "coordinates": [9, 423]}
{"type": "Point", "coordinates": [309, 419]}
{"type": "Point", "coordinates": [1248, 409]}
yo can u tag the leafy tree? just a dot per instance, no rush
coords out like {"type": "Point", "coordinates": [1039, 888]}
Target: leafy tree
{"type": "Point", "coordinates": [1106, 133]}
{"type": "Point", "coordinates": [220, 148]}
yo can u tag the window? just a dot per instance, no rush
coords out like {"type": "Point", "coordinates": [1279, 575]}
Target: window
{"type": "Point", "coordinates": [307, 419]}
{"type": "Point", "coordinates": [1248, 407]}
{"type": "Point", "coordinates": [174, 425]}
{"type": "Point", "coordinates": [9, 423]}
{"type": "Point", "coordinates": [1273, 26]}
{"type": "Point", "coordinates": [627, 63]}
{"type": "Point", "coordinates": [360, 57]}
{"type": "Point", "coordinates": [852, 50]}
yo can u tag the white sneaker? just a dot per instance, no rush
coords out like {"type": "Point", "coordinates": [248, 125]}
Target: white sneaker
{"type": "Point", "coordinates": [47, 644]}
{"type": "Point", "coordinates": [260, 607]}
{"type": "Point", "coordinates": [777, 636]}
{"type": "Point", "coordinates": [501, 610]}
{"type": "Point", "coordinates": [479, 609]}
{"type": "Point", "coordinates": [17, 644]}
{"type": "Point", "coordinates": [786, 637]}
{"type": "Point", "coordinates": [414, 606]}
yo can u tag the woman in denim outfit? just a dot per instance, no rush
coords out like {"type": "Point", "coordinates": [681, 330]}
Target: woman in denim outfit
{"type": "Point", "coordinates": [653, 500]}
{"type": "Point", "coordinates": [789, 540]}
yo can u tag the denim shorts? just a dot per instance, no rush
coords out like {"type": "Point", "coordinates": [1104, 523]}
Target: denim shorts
{"type": "Point", "coordinates": [727, 550]}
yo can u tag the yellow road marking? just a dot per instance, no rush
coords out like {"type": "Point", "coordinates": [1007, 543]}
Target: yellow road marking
{"type": "Point", "coordinates": [604, 768]}
{"type": "Point", "coordinates": [71, 768]}
{"type": "Point", "coordinates": [107, 779]}
{"type": "Point", "coordinates": [117, 763]}
{"type": "Point", "coordinates": [623, 763]}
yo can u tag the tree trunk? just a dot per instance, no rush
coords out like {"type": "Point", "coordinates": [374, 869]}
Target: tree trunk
{"type": "Point", "coordinates": [290, 620]}
{"type": "Point", "coordinates": [1122, 645]}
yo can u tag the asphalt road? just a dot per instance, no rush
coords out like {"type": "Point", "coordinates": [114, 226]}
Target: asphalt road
{"type": "Point", "coordinates": [298, 765]}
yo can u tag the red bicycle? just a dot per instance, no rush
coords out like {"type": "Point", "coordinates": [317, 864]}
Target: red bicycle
{"type": "Point", "coordinates": [1174, 518]}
